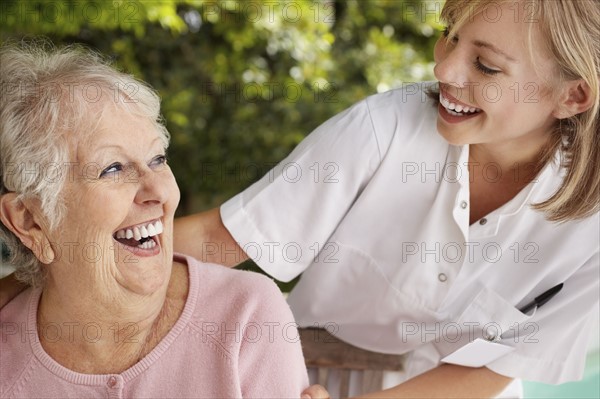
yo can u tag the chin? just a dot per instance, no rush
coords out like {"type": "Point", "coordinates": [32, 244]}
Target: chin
{"type": "Point", "coordinates": [453, 138]}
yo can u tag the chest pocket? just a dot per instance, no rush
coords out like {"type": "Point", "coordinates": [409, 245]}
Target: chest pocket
{"type": "Point", "coordinates": [488, 316]}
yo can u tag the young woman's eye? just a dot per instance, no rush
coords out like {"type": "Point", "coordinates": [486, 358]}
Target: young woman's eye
{"type": "Point", "coordinates": [113, 168]}
{"type": "Point", "coordinates": [159, 160]}
{"type": "Point", "coordinates": [446, 33]}
{"type": "Point", "coordinates": [484, 69]}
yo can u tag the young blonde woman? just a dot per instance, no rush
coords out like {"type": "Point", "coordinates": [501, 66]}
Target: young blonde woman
{"type": "Point", "coordinates": [456, 222]}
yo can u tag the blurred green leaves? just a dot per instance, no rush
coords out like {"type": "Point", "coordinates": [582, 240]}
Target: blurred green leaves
{"type": "Point", "coordinates": [242, 82]}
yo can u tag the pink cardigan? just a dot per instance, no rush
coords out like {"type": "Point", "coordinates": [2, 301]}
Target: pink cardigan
{"type": "Point", "coordinates": [236, 338]}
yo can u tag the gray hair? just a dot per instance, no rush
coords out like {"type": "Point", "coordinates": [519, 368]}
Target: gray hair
{"type": "Point", "coordinates": [45, 94]}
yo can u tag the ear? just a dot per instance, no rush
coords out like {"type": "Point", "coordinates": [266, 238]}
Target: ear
{"type": "Point", "coordinates": [23, 220]}
{"type": "Point", "coordinates": [575, 99]}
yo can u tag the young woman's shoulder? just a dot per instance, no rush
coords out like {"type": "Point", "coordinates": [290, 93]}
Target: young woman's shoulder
{"type": "Point", "coordinates": [407, 99]}
{"type": "Point", "coordinates": [406, 118]}
{"type": "Point", "coordinates": [408, 114]}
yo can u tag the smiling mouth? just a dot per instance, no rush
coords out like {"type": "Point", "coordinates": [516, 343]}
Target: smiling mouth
{"type": "Point", "coordinates": [457, 109]}
{"type": "Point", "coordinates": [143, 236]}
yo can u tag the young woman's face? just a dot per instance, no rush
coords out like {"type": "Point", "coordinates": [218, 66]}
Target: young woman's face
{"type": "Point", "coordinates": [490, 92]}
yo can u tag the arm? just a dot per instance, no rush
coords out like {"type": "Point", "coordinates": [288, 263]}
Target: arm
{"type": "Point", "coordinates": [445, 381]}
{"type": "Point", "coordinates": [448, 381]}
{"type": "Point", "coordinates": [9, 288]}
{"type": "Point", "coordinates": [204, 236]}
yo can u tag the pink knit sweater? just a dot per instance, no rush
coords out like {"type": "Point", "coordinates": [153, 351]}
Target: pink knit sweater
{"type": "Point", "coordinates": [236, 338]}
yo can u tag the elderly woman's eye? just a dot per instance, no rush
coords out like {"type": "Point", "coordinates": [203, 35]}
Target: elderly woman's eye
{"type": "Point", "coordinates": [159, 160]}
{"type": "Point", "coordinates": [113, 168]}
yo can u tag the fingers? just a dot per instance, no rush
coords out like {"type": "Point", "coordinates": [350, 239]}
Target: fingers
{"type": "Point", "coordinates": [315, 392]}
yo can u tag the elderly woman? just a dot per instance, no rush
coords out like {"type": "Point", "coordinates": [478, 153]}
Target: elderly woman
{"type": "Point", "coordinates": [87, 204]}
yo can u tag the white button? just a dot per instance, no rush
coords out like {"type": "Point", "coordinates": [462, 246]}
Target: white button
{"type": "Point", "coordinates": [463, 205]}
{"type": "Point", "coordinates": [442, 277]}
{"type": "Point", "coordinates": [490, 335]}
{"type": "Point", "coordinates": [112, 382]}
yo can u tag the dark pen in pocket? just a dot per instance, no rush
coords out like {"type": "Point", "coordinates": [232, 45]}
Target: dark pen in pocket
{"type": "Point", "coordinates": [541, 299]}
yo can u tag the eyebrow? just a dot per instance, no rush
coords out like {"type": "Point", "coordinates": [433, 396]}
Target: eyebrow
{"type": "Point", "coordinates": [120, 147]}
{"type": "Point", "coordinates": [493, 48]}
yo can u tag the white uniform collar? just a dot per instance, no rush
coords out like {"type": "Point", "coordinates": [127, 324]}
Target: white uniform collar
{"type": "Point", "coordinates": [540, 189]}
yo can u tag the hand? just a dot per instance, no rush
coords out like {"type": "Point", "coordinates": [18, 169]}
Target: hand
{"type": "Point", "coordinates": [315, 392]}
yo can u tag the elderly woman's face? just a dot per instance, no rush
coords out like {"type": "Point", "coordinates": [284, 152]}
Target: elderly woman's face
{"type": "Point", "coordinates": [121, 200]}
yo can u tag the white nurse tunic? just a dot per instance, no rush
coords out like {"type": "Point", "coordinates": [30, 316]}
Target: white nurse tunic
{"type": "Point", "coordinates": [373, 209]}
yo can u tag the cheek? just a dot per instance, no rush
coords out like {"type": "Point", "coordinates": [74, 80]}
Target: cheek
{"type": "Point", "coordinates": [103, 208]}
{"type": "Point", "coordinates": [173, 190]}
{"type": "Point", "coordinates": [495, 99]}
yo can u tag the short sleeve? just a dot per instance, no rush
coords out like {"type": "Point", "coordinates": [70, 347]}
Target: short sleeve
{"type": "Point", "coordinates": [271, 363]}
{"type": "Point", "coordinates": [286, 218]}
{"type": "Point", "coordinates": [551, 346]}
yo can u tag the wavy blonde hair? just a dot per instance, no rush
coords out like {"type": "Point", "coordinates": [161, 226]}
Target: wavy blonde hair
{"type": "Point", "coordinates": [572, 32]}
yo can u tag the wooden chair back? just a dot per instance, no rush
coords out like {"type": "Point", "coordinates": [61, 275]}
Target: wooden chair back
{"type": "Point", "coordinates": [324, 351]}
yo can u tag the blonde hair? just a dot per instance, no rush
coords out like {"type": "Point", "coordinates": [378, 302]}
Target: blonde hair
{"type": "Point", "coordinates": [572, 32]}
{"type": "Point", "coordinates": [44, 108]}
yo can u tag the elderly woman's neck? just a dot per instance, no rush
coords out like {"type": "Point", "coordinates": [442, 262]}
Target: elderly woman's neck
{"type": "Point", "coordinates": [109, 338]}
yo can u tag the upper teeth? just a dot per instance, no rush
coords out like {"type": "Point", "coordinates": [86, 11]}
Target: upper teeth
{"type": "Point", "coordinates": [143, 231]}
{"type": "Point", "coordinates": [456, 107]}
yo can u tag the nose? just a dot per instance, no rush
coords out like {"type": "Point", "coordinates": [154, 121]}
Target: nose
{"type": "Point", "coordinates": [154, 187]}
{"type": "Point", "coordinates": [451, 64]}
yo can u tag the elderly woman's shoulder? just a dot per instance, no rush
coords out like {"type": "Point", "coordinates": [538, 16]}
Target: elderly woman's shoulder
{"type": "Point", "coordinates": [15, 336]}
{"type": "Point", "coordinates": [234, 297]}
{"type": "Point", "coordinates": [14, 308]}
{"type": "Point", "coordinates": [236, 283]}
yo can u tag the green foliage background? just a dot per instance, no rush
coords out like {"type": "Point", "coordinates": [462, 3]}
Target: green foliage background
{"type": "Point", "coordinates": [242, 82]}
